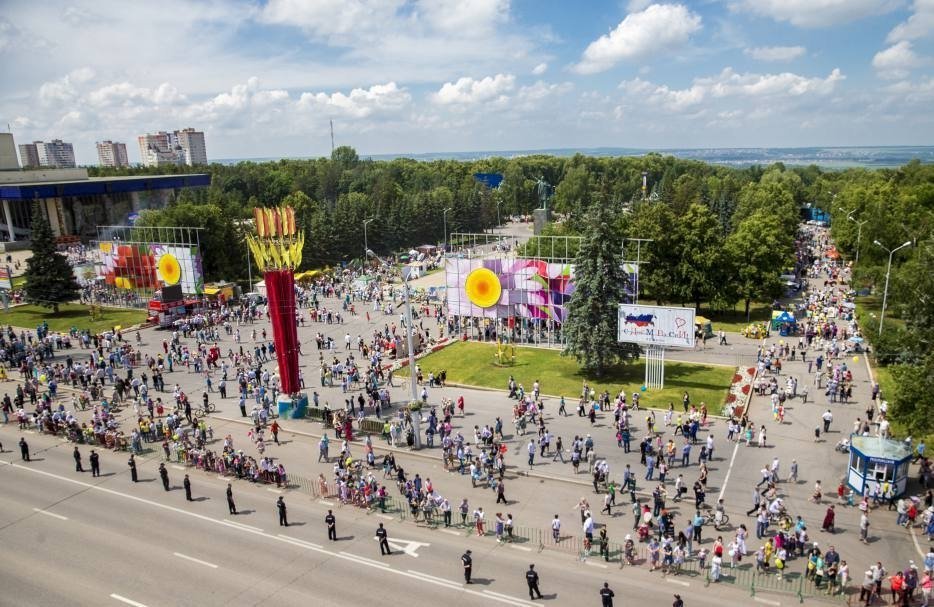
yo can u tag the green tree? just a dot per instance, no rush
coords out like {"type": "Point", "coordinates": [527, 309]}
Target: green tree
{"type": "Point", "coordinates": [914, 385]}
{"type": "Point", "coordinates": [758, 252]}
{"type": "Point", "coordinates": [600, 285]}
{"type": "Point", "coordinates": [698, 273]}
{"type": "Point", "coordinates": [50, 280]}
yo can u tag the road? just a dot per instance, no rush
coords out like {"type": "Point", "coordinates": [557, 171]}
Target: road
{"type": "Point", "coordinates": [100, 541]}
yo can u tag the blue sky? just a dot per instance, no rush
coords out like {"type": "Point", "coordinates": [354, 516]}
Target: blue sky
{"type": "Point", "coordinates": [264, 77]}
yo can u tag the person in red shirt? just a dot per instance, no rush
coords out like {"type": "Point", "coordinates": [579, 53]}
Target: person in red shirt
{"type": "Point", "coordinates": [275, 430]}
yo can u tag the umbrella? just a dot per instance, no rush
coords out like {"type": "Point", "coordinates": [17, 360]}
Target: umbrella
{"type": "Point", "coordinates": [855, 340]}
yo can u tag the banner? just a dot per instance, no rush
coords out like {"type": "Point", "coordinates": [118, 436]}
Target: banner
{"type": "Point", "coordinates": [657, 325]}
{"type": "Point", "coordinates": [5, 281]}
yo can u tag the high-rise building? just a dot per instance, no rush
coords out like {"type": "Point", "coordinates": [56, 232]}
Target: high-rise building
{"type": "Point", "coordinates": [54, 154]}
{"type": "Point", "coordinates": [192, 143]}
{"type": "Point", "coordinates": [28, 156]}
{"type": "Point", "coordinates": [112, 154]}
{"type": "Point", "coordinates": [178, 147]}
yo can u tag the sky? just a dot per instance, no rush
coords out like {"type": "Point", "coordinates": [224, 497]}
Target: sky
{"type": "Point", "coordinates": [263, 78]}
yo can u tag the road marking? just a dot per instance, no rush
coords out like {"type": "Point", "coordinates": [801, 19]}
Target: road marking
{"type": "Point", "coordinates": [502, 598]}
{"type": "Point", "coordinates": [437, 579]}
{"type": "Point", "coordinates": [227, 521]}
{"type": "Point", "coordinates": [65, 518]}
{"type": "Point", "coordinates": [299, 542]}
{"type": "Point", "coordinates": [678, 582]}
{"type": "Point", "coordinates": [525, 548]}
{"type": "Point", "coordinates": [914, 539]}
{"type": "Point", "coordinates": [271, 490]}
{"type": "Point", "coordinates": [766, 601]}
{"type": "Point", "coordinates": [409, 547]}
{"type": "Point", "coordinates": [194, 560]}
{"type": "Point", "coordinates": [325, 502]}
{"type": "Point", "coordinates": [177, 467]}
{"type": "Point", "coordinates": [516, 601]}
{"type": "Point", "coordinates": [729, 470]}
{"type": "Point", "coordinates": [450, 532]}
{"type": "Point", "coordinates": [385, 516]}
{"type": "Point", "coordinates": [601, 565]}
{"type": "Point", "coordinates": [123, 599]}
{"type": "Point", "coordinates": [364, 559]}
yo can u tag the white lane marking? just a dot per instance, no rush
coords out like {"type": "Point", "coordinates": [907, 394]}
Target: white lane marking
{"type": "Point", "coordinates": [409, 547]}
{"type": "Point", "coordinates": [437, 579]}
{"type": "Point", "coordinates": [678, 582]}
{"type": "Point", "coordinates": [524, 548]}
{"type": "Point", "coordinates": [271, 490]}
{"type": "Point", "coordinates": [494, 595]}
{"type": "Point", "coordinates": [231, 523]}
{"type": "Point", "coordinates": [766, 601]}
{"type": "Point", "coordinates": [364, 559]}
{"type": "Point", "coordinates": [385, 516]}
{"type": "Point", "coordinates": [123, 599]}
{"type": "Point", "coordinates": [299, 542]}
{"type": "Point", "coordinates": [601, 565]}
{"type": "Point", "coordinates": [177, 467]}
{"type": "Point", "coordinates": [914, 539]}
{"type": "Point", "coordinates": [59, 516]}
{"type": "Point", "coordinates": [194, 560]}
{"type": "Point", "coordinates": [729, 470]}
{"type": "Point", "coordinates": [325, 502]}
{"type": "Point", "coordinates": [450, 532]}
{"type": "Point", "coordinates": [502, 598]}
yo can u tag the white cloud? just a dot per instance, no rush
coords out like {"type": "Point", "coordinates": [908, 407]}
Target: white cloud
{"type": "Point", "coordinates": [464, 17]}
{"type": "Point", "coordinates": [360, 103]}
{"type": "Point", "coordinates": [896, 61]}
{"type": "Point", "coordinates": [328, 19]}
{"type": "Point", "coordinates": [816, 13]}
{"type": "Point", "coordinates": [919, 25]}
{"type": "Point", "coordinates": [634, 6]}
{"type": "Point", "coordinates": [540, 69]}
{"type": "Point", "coordinates": [469, 91]}
{"type": "Point", "coordinates": [64, 90]}
{"type": "Point", "coordinates": [775, 53]}
{"type": "Point", "coordinates": [657, 28]}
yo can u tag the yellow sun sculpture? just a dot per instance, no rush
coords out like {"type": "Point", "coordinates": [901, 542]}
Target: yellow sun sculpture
{"type": "Point", "coordinates": [483, 287]}
{"type": "Point", "coordinates": [169, 269]}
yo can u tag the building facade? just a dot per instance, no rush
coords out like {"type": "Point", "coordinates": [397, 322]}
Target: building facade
{"type": "Point", "coordinates": [56, 154]}
{"type": "Point", "coordinates": [28, 156]}
{"type": "Point", "coordinates": [192, 144]}
{"type": "Point", "coordinates": [112, 154]}
{"type": "Point", "coordinates": [178, 147]}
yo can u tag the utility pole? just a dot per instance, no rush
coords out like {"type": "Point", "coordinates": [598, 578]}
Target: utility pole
{"type": "Point", "coordinates": [332, 136]}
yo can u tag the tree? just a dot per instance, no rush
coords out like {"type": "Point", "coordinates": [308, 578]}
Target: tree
{"type": "Point", "coordinates": [600, 285]}
{"type": "Point", "coordinates": [758, 253]}
{"type": "Point", "coordinates": [50, 280]}
{"type": "Point", "coordinates": [698, 272]}
{"type": "Point", "coordinates": [914, 385]}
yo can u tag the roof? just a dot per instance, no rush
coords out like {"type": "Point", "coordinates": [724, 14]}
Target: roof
{"type": "Point", "coordinates": [101, 185]}
{"type": "Point", "coordinates": [873, 446]}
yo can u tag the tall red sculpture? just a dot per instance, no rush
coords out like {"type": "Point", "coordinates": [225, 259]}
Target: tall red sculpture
{"type": "Point", "coordinates": [277, 249]}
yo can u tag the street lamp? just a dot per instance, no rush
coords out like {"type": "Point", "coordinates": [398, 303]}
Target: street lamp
{"type": "Point", "coordinates": [859, 234]}
{"type": "Point", "coordinates": [445, 214]}
{"type": "Point", "coordinates": [408, 336]}
{"type": "Point", "coordinates": [885, 293]}
{"type": "Point", "coordinates": [498, 222]}
{"type": "Point", "coordinates": [366, 247]}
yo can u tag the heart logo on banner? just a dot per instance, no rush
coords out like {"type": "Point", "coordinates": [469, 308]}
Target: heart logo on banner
{"type": "Point", "coordinates": [680, 322]}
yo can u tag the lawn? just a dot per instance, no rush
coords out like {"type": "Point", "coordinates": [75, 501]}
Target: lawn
{"type": "Point", "coordinates": [70, 315]}
{"type": "Point", "coordinates": [471, 363]}
{"type": "Point", "coordinates": [735, 320]}
{"type": "Point", "coordinates": [868, 309]}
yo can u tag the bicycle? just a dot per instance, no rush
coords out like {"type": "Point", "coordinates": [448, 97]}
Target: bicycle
{"type": "Point", "coordinates": [711, 519]}
{"type": "Point", "coordinates": [206, 409]}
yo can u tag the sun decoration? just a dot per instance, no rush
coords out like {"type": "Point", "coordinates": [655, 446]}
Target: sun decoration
{"type": "Point", "coordinates": [483, 287]}
{"type": "Point", "coordinates": [169, 270]}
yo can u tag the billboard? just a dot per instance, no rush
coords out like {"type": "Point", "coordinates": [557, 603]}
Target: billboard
{"type": "Point", "coordinates": [148, 266]}
{"type": "Point", "coordinates": [657, 325]}
{"type": "Point", "coordinates": [504, 288]}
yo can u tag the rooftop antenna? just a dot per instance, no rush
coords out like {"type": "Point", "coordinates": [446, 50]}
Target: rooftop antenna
{"type": "Point", "coordinates": [332, 136]}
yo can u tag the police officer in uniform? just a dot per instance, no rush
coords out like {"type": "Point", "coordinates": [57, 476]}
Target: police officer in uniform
{"type": "Point", "coordinates": [531, 578]}
{"type": "Point", "coordinates": [132, 465]}
{"type": "Point", "coordinates": [77, 456]}
{"type": "Point", "coordinates": [331, 522]}
{"type": "Point", "coordinates": [164, 475]}
{"type": "Point", "coordinates": [383, 538]}
{"type": "Point", "coordinates": [468, 566]}
{"type": "Point", "coordinates": [24, 449]}
{"type": "Point", "coordinates": [280, 504]}
{"type": "Point", "coordinates": [187, 485]}
{"type": "Point", "coordinates": [230, 503]}
{"type": "Point", "coordinates": [606, 595]}
{"type": "Point", "coordinates": [95, 463]}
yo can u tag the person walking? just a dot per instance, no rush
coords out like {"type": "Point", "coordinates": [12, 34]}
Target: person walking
{"type": "Point", "coordinates": [468, 566]}
{"type": "Point", "coordinates": [23, 449]}
{"type": "Point", "coordinates": [606, 595]}
{"type": "Point", "coordinates": [77, 455]}
{"type": "Point", "coordinates": [164, 475]}
{"type": "Point", "coordinates": [756, 501]}
{"type": "Point", "coordinates": [383, 539]}
{"type": "Point", "coordinates": [827, 417]}
{"type": "Point", "coordinates": [331, 522]}
{"type": "Point", "coordinates": [187, 484]}
{"type": "Point", "coordinates": [283, 519]}
{"type": "Point", "coordinates": [231, 507]}
{"type": "Point", "coordinates": [95, 459]}
{"type": "Point", "coordinates": [132, 464]}
{"type": "Point", "coordinates": [531, 578]}
{"type": "Point", "coordinates": [274, 428]}
{"type": "Point", "coordinates": [501, 493]}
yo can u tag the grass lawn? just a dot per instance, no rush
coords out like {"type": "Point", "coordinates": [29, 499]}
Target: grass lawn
{"type": "Point", "coordinates": [472, 363]}
{"type": "Point", "coordinates": [868, 309]}
{"type": "Point", "coordinates": [735, 320]}
{"type": "Point", "coordinates": [70, 315]}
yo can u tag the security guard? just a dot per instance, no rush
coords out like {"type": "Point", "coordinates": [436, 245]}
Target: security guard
{"type": "Point", "coordinates": [606, 595]}
{"type": "Point", "coordinates": [383, 538]}
{"type": "Point", "coordinates": [132, 465]}
{"type": "Point", "coordinates": [230, 503]}
{"type": "Point", "coordinates": [468, 566]}
{"type": "Point", "coordinates": [331, 522]}
{"type": "Point", "coordinates": [95, 463]}
{"type": "Point", "coordinates": [531, 578]}
{"type": "Point", "coordinates": [187, 484]}
{"type": "Point", "coordinates": [164, 474]}
{"type": "Point", "coordinates": [280, 504]}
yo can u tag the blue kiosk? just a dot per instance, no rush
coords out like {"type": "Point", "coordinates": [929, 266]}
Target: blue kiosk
{"type": "Point", "coordinates": [875, 460]}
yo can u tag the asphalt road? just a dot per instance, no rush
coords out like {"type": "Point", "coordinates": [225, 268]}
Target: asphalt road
{"type": "Point", "coordinates": [70, 539]}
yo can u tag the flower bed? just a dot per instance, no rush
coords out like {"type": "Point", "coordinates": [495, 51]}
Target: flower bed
{"type": "Point", "coordinates": [735, 400]}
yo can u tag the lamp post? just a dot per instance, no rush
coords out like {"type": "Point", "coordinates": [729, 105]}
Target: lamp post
{"type": "Point", "coordinates": [416, 417]}
{"type": "Point", "coordinates": [366, 246]}
{"type": "Point", "coordinates": [888, 271]}
{"type": "Point", "coordinates": [498, 221]}
{"type": "Point", "coordinates": [445, 214]}
{"type": "Point", "coordinates": [859, 234]}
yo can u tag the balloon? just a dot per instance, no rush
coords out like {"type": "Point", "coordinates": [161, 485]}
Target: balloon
{"type": "Point", "coordinates": [42, 378]}
{"type": "Point", "coordinates": [781, 342]}
{"type": "Point", "coordinates": [644, 388]}
{"type": "Point", "coordinates": [856, 359]}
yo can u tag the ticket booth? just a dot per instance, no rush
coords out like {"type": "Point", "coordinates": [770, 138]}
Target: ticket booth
{"type": "Point", "coordinates": [874, 460]}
